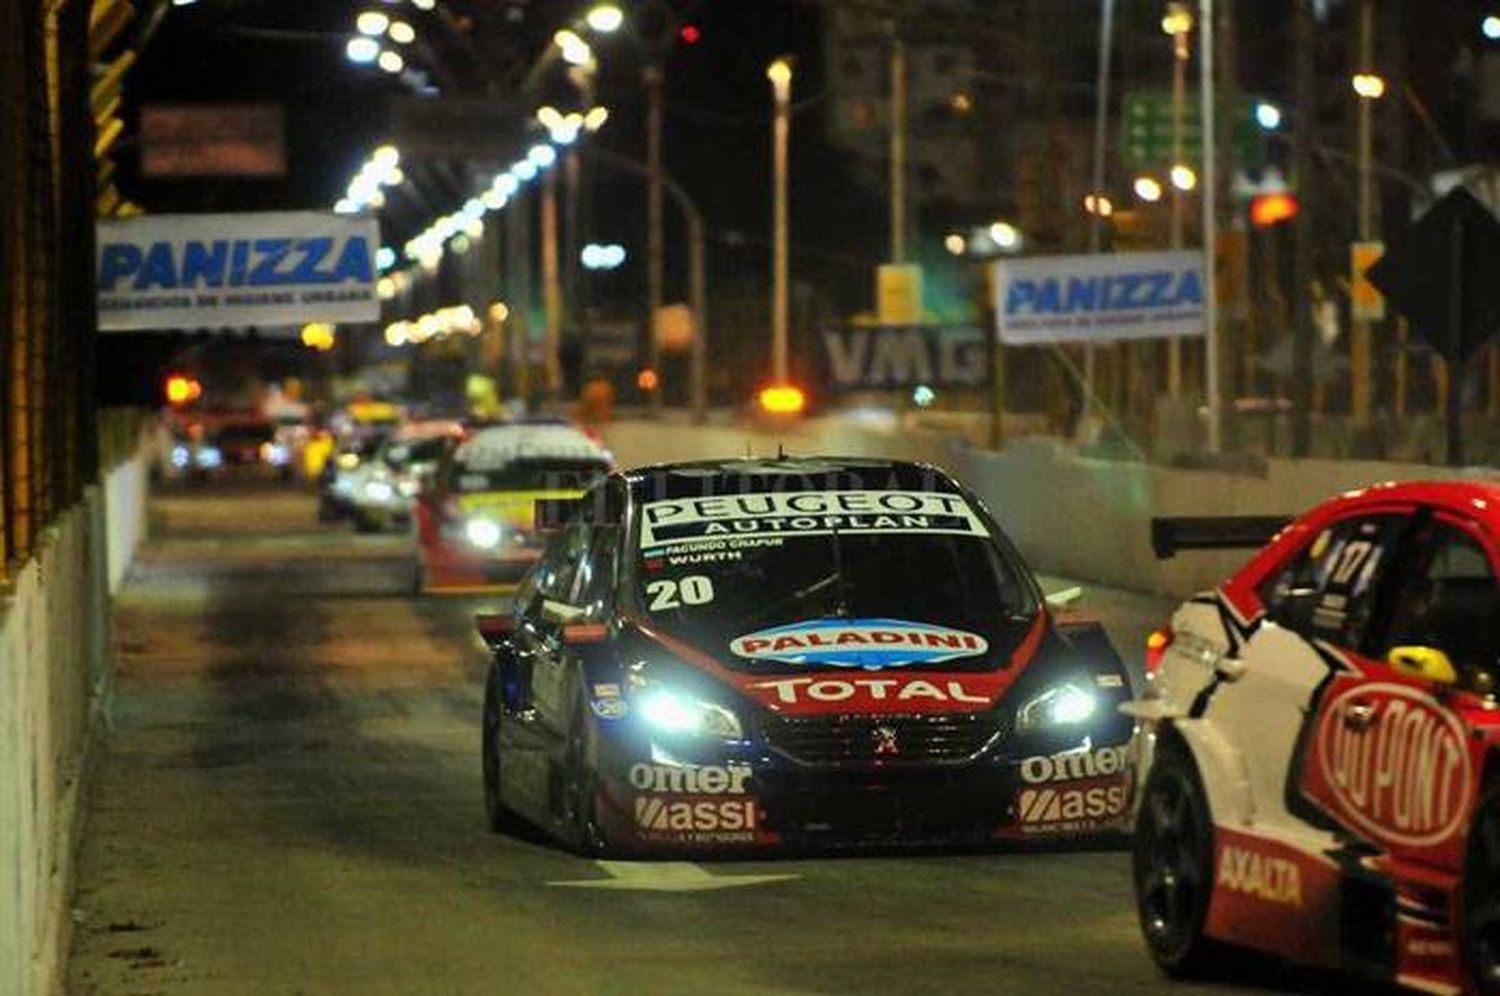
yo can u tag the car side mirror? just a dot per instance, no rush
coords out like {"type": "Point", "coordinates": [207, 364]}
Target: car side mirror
{"type": "Point", "coordinates": [1426, 663]}
{"type": "Point", "coordinates": [561, 613]}
{"type": "Point", "coordinates": [1068, 598]}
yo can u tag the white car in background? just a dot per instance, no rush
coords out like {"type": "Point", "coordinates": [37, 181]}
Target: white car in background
{"type": "Point", "coordinates": [383, 490]}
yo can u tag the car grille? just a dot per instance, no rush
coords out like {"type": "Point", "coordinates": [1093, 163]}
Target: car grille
{"type": "Point", "coordinates": [885, 739]}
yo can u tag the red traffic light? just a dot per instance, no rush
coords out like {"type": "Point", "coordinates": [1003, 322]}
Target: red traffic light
{"type": "Point", "coordinates": [1272, 209]}
{"type": "Point", "coordinates": [690, 34]}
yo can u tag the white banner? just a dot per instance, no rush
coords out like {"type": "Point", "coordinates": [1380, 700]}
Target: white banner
{"type": "Point", "coordinates": [1099, 298]}
{"type": "Point", "coordinates": [191, 271]}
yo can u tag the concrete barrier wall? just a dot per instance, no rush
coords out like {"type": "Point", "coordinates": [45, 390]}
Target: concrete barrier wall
{"type": "Point", "coordinates": [1073, 516]}
{"type": "Point", "coordinates": [54, 675]}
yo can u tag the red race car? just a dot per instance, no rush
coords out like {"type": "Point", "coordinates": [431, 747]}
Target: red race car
{"type": "Point", "coordinates": [1320, 744]}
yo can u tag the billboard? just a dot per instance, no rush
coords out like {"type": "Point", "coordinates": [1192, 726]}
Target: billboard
{"type": "Point", "coordinates": [888, 357]}
{"type": "Point", "coordinates": [191, 271]}
{"type": "Point", "coordinates": [1099, 298]}
{"type": "Point", "coordinates": [188, 140]}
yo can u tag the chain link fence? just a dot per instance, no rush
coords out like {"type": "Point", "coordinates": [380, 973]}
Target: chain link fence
{"type": "Point", "coordinates": [48, 438]}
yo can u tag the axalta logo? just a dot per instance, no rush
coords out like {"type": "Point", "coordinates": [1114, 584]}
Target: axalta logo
{"type": "Point", "coordinates": [1251, 873]}
{"type": "Point", "coordinates": [1045, 806]}
{"type": "Point", "coordinates": [690, 779]}
{"type": "Point", "coordinates": [268, 262]}
{"type": "Point", "coordinates": [1074, 765]}
{"type": "Point", "coordinates": [657, 815]}
{"type": "Point", "coordinates": [1396, 763]}
{"type": "Point", "coordinates": [796, 690]}
{"type": "Point", "coordinates": [871, 644]}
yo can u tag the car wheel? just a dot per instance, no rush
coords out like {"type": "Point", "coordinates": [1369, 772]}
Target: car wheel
{"type": "Point", "coordinates": [499, 816]}
{"type": "Point", "coordinates": [1173, 866]}
{"type": "Point", "coordinates": [581, 778]}
{"type": "Point", "coordinates": [1480, 923]}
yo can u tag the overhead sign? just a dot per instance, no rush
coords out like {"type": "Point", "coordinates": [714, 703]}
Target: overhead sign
{"type": "Point", "coordinates": [186, 140]}
{"type": "Point", "coordinates": [194, 271]}
{"type": "Point", "coordinates": [1099, 298]}
{"type": "Point", "coordinates": [1150, 124]}
{"type": "Point", "coordinates": [884, 357]}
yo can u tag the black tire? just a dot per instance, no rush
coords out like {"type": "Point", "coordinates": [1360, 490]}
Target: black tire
{"type": "Point", "coordinates": [500, 817]}
{"type": "Point", "coordinates": [364, 523]}
{"type": "Point", "coordinates": [1479, 923]}
{"type": "Point", "coordinates": [1173, 866]}
{"type": "Point", "coordinates": [581, 778]}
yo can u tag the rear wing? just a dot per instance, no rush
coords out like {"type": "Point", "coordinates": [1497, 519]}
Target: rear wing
{"type": "Point", "coordinates": [1213, 532]}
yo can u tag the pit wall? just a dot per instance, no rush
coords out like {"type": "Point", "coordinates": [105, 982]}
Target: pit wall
{"type": "Point", "coordinates": [54, 679]}
{"type": "Point", "coordinates": [1077, 517]}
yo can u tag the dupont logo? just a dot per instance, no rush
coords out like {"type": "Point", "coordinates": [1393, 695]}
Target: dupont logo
{"type": "Point", "coordinates": [871, 644]}
{"type": "Point", "coordinates": [1396, 762]}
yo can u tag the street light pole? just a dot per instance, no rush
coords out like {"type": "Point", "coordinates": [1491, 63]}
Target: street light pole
{"type": "Point", "coordinates": [1178, 23]}
{"type": "Point", "coordinates": [898, 146]}
{"type": "Point", "coordinates": [1359, 352]}
{"type": "Point", "coordinates": [1210, 228]}
{"type": "Point", "coordinates": [1096, 211]}
{"type": "Point", "coordinates": [780, 75]}
{"type": "Point", "coordinates": [652, 77]}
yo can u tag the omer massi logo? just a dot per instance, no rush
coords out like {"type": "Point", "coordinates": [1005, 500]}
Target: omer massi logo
{"type": "Point", "coordinates": [871, 644]}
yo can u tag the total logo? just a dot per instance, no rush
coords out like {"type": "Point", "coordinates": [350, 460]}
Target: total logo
{"type": "Point", "coordinates": [1251, 873]}
{"type": "Point", "coordinates": [866, 691]}
{"type": "Point", "coordinates": [1396, 763]}
{"type": "Point", "coordinates": [1073, 765]}
{"type": "Point", "coordinates": [871, 644]}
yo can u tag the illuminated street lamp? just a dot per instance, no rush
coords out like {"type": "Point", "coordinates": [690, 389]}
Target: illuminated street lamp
{"type": "Point", "coordinates": [362, 50]}
{"type": "Point", "coordinates": [1369, 86]}
{"type": "Point", "coordinates": [606, 18]}
{"type": "Point", "coordinates": [1178, 20]}
{"type": "Point", "coordinates": [955, 243]}
{"type": "Point", "coordinates": [1490, 27]}
{"type": "Point", "coordinates": [1007, 237]}
{"type": "Point", "coordinates": [1098, 204]}
{"type": "Point", "coordinates": [1148, 189]}
{"type": "Point", "coordinates": [372, 23]}
{"type": "Point", "coordinates": [575, 51]}
{"type": "Point", "coordinates": [1267, 115]}
{"type": "Point", "coordinates": [391, 62]}
{"type": "Point", "coordinates": [1183, 177]}
{"type": "Point", "coordinates": [402, 33]}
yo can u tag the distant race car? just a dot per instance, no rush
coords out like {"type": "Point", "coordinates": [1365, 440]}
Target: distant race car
{"type": "Point", "coordinates": [341, 472]}
{"type": "Point", "coordinates": [474, 524]}
{"type": "Point", "coordinates": [746, 654]}
{"type": "Point", "coordinates": [1320, 773]}
{"type": "Point", "coordinates": [384, 489]}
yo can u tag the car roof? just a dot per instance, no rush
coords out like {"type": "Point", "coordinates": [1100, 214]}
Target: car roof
{"type": "Point", "coordinates": [1478, 498]}
{"type": "Point", "coordinates": [734, 476]}
{"type": "Point", "coordinates": [503, 443]}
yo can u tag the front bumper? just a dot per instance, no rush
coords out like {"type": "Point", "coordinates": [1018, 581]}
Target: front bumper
{"type": "Point", "coordinates": [964, 779]}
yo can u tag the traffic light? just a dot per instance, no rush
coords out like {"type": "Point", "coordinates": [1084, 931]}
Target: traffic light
{"type": "Point", "coordinates": [689, 34]}
{"type": "Point", "coordinates": [181, 389]}
{"type": "Point", "coordinates": [1272, 209]}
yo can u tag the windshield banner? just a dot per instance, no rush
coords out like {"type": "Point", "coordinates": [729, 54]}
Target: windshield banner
{"type": "Point", "coordinates": [1099, 298]}
{"type": "Point", "coordinates": [806, 513]}
{"type": "Point", "coordinates": [277, 268]}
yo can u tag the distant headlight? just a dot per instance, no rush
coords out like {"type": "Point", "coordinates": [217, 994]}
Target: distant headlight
{"type": "Point", "coordinates": [273, 453]}
{"type": "Point", "coordinates": [180, 456]}
{"type": "Point", "coordinates": [1062, 706]}
{"type": "Point", "coordinates": [379, 491]}
{"type": "Point", "coordinates": [347, 461]}
{"type": "Point", "coordinates": [672, 712]}
{"type": "Point", "coordinates": [408, 487]}
{"type": "Point", "coordinates": [208, 456]}
{"type": "Point", "coordinates": [483, 533]}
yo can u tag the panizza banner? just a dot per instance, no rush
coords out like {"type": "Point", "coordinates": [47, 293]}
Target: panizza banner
{"type": "Point", "coordinates": [1099, 298]}
{"type": "Point", "coordinates": [192, 271]}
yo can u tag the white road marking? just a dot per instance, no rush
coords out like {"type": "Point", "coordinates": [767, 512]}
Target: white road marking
{"type": "Point", "coordinates": [666, 876]}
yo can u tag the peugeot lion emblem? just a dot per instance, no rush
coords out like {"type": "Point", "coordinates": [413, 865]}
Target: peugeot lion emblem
{"type": "Point", "coordinates": [885, 740]}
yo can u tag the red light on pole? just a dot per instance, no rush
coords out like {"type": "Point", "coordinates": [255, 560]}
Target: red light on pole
{"type": "Point", "coordinates": [690, 34]}
{"type": "Point", "coordinates": [1272, 209]}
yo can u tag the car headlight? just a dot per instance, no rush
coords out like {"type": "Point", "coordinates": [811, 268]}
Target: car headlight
{"type": "Point", "coordinates": [408, 487]}
{"type": "Point", "coordinates": [379, 491]}
{"type": "Point", "coordinates": [180, 456]}
{"type": "Point", "coordinates": [208, 456]}
{"type": "Point", "coordinates": [673, 712]}
{"type": "Point", "coordinates": [483, 533]}
{"type": "Point", "coordinates": [1060, 707]}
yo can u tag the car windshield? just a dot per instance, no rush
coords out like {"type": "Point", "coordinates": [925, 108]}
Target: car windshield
{"type": "Point", "coordinates": [942, 577]}
{"type": "Point", "coordinates": [533, 474]}
{"type": "Point", "coordinates": [399, 455]}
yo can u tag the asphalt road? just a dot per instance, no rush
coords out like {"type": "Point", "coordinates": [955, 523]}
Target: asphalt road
{"type": "Point", "coordinates": [289, 803]}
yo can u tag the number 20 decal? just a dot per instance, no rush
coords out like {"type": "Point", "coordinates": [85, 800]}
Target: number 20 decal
{"type": "Point", "coordinates": [695, 589]}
